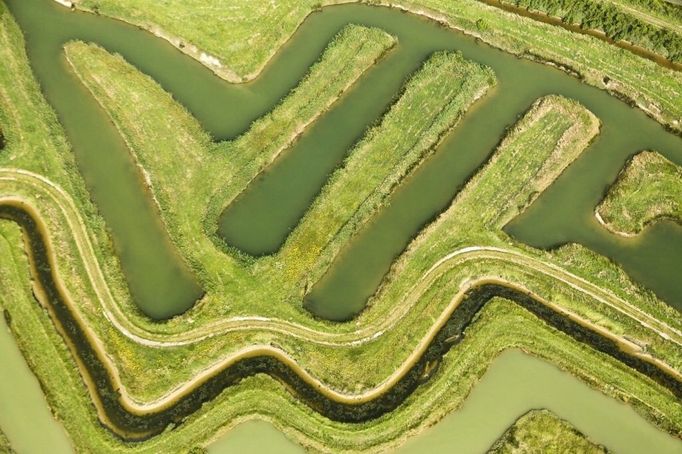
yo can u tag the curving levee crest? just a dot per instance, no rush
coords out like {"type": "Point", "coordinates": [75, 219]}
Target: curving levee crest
{"type": "Point", "coordinates": [460, 293]}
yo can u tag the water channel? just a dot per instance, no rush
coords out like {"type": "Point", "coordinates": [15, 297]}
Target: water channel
{"type": "Point", "coordinates": [163, 287]}
{"type": "Point", "coordinates": [514, 384]}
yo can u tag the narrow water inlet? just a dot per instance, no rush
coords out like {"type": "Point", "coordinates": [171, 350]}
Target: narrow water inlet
{"type": "Point", "coordinates": [516, 383]}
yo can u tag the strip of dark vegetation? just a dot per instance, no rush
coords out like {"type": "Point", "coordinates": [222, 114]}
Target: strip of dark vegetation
{"type": "Point", "coordinates": [614, 22]}
{"type": "Point", "coordinates": [133, 427]}
{"type": "Point", "coordinates": [658, 55]}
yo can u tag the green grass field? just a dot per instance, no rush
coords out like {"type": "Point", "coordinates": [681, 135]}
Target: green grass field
{"type": "Point", "coordinates": [622, 21]}
{"type": "Point", "coordinates": [442, 89]}
{"type": "Point", "coordinates": [648, 188]}
{"type": "Point", "coordinates": [145, 372]}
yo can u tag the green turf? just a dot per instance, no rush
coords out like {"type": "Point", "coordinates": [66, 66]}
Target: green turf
{"type": "Point", "coordinates": [648, 188]}
{"type": "Point", "coordinates": [619, 20]}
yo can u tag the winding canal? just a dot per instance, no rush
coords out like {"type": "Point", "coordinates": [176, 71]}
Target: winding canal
{"type": "Point", "coordinates": [24, 414]}
{"type": "Point", "coordinates": [162, 286]}
{"type": "Point", "coordinates": [514, 384]}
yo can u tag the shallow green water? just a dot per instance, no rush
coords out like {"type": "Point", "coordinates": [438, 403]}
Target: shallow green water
{"type": "Point", "coordinates": [255, 436]}
{"type": "Point", "coordinates": [514, 384]}
{"type": "Point", "coordinates": [24, 415]}
{"type": "Point", "coordinates": [260, 220]}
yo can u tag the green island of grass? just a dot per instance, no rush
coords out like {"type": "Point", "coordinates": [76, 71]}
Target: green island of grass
{"type": "Point", "coordinates": [648, 188]}
{"type": "Point", "coordinates": [542, 429]}
{"type": "Point", "coordinates": [459, 295]}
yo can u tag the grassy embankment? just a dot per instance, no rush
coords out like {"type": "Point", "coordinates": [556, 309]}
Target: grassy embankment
{"type": "Point", "coordinates": [550, 124]}
{"type": "Point", "coordinates": [648, 188]}
{"type": "Point", "coordinates": [442, 90]}
{"type": "Point", "coordinates": [659, 12]}
{"type": "Point", "coordinates": [500, 325]}
{"type": "Point", "coordinates": [541, 429]}
{"type": "Point", "coordinates": [655, 89]}
{"type": "Point", "coordinates": [617, 21]}
{"type": "Point", "coordinates": [153, 144]}
{"type": "Point", "coordinates": [330, 364]}
{"type": "Point", "coordinates": [432, 102]}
